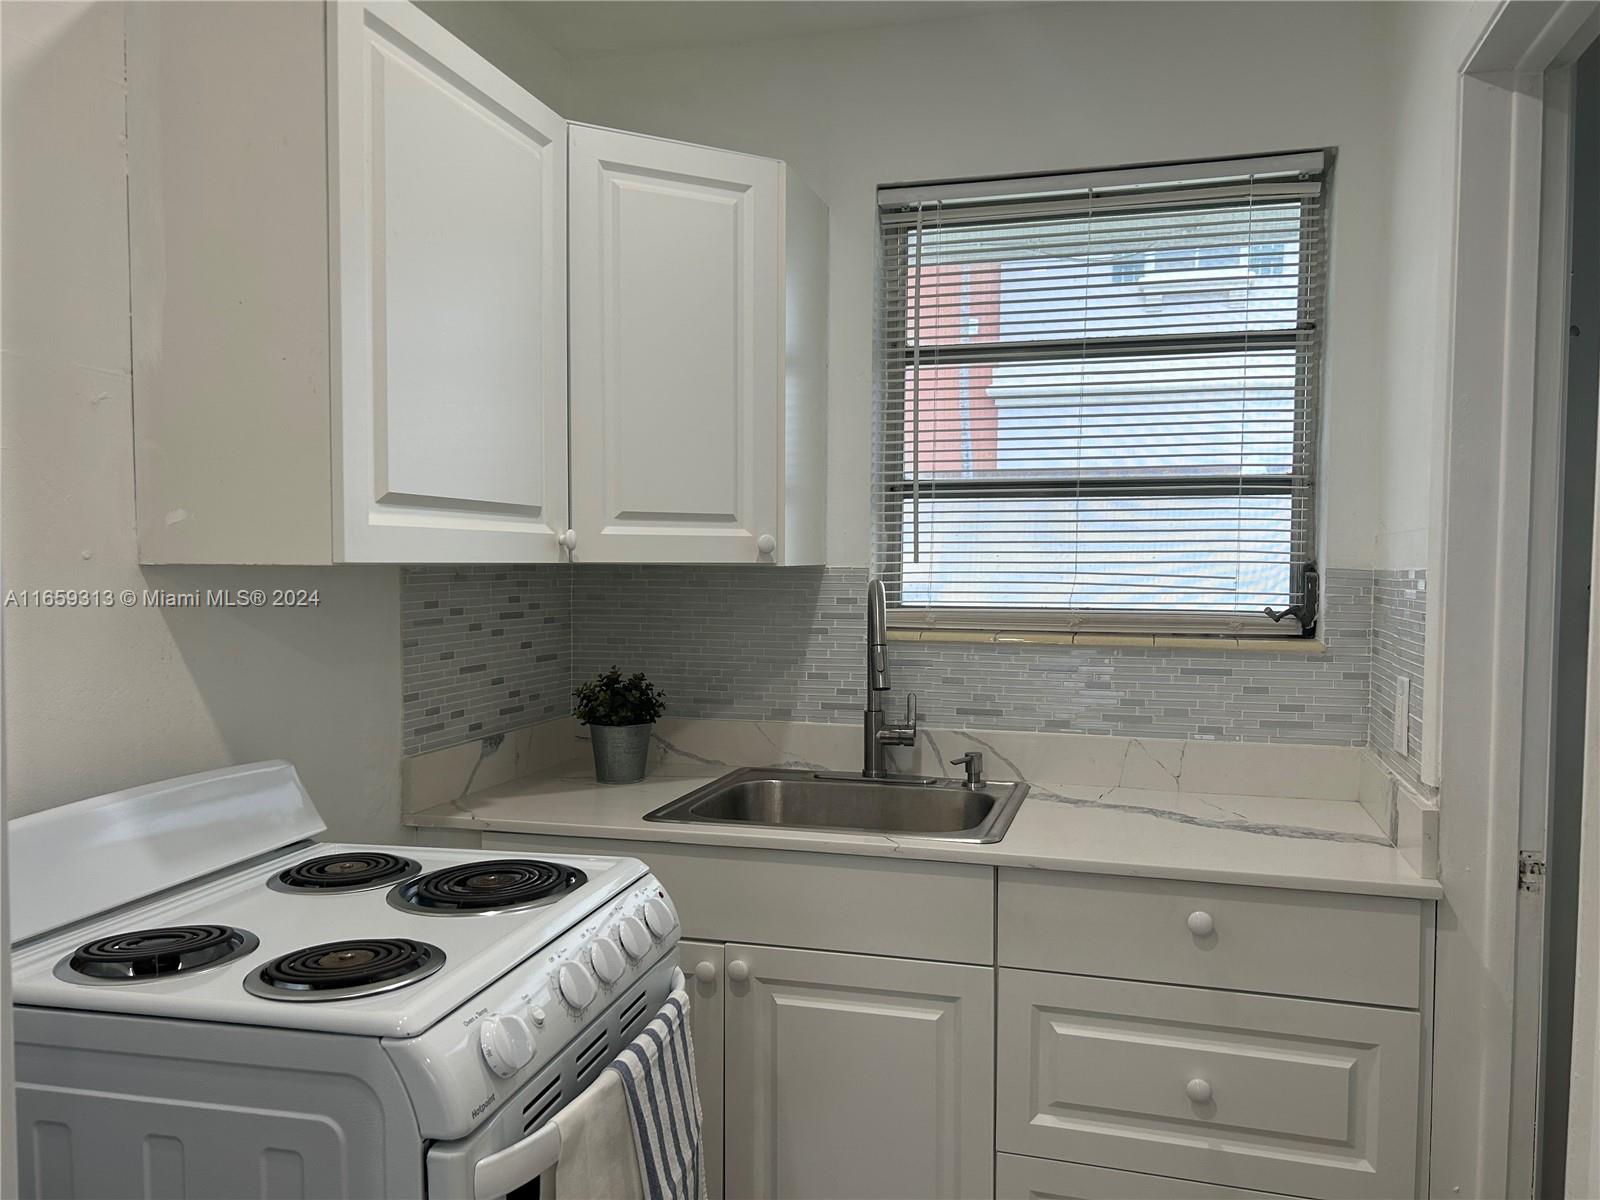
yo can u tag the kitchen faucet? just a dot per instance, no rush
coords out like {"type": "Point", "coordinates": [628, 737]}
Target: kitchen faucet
{"type": "Point", "coordinates": [876, 734]}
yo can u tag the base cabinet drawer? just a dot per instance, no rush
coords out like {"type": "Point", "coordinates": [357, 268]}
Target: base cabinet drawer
{"type": "Point", "coordinates": [1298, 1097]}
{"type": "Point", "coordinates": [1364, 949]}
{"type": "Point", "coordinates": [1017, 1177]}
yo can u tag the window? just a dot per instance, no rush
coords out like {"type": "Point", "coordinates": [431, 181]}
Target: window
{"type": "Point", "coordinates": [1099, 398]}
{"type": "Point", "coordinates": [1127, 268]}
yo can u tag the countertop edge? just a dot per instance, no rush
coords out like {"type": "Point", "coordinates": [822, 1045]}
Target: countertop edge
{"type": "Point", "coordinates": [994, 855]}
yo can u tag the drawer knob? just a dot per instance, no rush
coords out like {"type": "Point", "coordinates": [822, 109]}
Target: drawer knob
{"type": "Point", "coordinates": [706, 972]}
{"type": "Point", "coordinates": [738, 970]}
{"type": "Point", "coordinates": [1199, 1091]}
{"type": "Point", "coordinates": [1201, 924]}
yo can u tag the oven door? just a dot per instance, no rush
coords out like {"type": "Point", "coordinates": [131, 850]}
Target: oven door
{"type": "Point", "coordinates": [521, 1171]}
{"type": "Point", "coordinates": [508, 1155]}
{"type": "Point", "coordinates": [513, 1153]}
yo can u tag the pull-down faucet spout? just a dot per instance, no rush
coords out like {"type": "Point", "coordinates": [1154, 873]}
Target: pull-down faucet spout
{"type": "Point", "coordinates": [875, 733]}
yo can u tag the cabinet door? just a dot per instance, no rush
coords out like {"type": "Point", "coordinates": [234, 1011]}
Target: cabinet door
{"type": "Point", "coordinates": [705, 1025]}
{"type": "Point", "coordinates": [676, 318]}
{"type": "Point", "coordinates": [449, 309]}
{"type": "Point", "coordinates": [849, 1075]}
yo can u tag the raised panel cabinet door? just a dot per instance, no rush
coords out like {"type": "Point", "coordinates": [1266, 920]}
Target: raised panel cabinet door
{"type": "Point", "coordinates": [855, 1076]}
{"type": "Point", "coordinates": [449, 298]}
{"type": "Point", "coordinates": [1265, 1093]}
{"type": "Point", "coordinates": [676, 327]}
{"type": "Point", "coordinates": [701, 963]}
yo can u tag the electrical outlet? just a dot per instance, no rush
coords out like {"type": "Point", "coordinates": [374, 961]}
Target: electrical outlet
{"type": "Point", "coordinates": [1402, 715]}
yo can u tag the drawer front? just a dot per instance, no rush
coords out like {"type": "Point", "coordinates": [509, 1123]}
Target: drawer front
{"type": "Point", "coordinates": [1365, 949]}
{"type": "Point", "coordinates": [1017, 1177]}
{"type": "Point", "coordinates": [1256, 1092]}
{"type": "Point", "coordinates": [932, 910]}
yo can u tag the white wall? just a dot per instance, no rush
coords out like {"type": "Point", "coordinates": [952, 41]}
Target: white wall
{"type": "Point", "coordinates": [97, 700]}
{"type": "Point", "coordinates": [1046, 87]}
{"type": "Point", "coordinates": [496, 30]}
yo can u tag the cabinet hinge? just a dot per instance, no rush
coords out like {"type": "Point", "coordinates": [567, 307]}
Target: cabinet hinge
{"type": "Point", "coordinates": [1530, 871]}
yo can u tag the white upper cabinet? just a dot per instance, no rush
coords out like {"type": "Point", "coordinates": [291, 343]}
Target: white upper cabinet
{"type": "Point", "coordinates": [449, 298]}
{"type": "Point", "coordinates": [698, 319]}
{"type": "Point", "coordinates": [349, 274]}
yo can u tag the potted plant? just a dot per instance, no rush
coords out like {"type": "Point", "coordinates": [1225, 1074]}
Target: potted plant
{"type": "Point", "coordinates": [620, 714]}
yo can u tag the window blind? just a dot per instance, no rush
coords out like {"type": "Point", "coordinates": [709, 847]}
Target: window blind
{"type": "Point", "coordinates": [1098, 400]}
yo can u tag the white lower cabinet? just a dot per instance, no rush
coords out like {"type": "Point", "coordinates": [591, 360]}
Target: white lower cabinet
{"type": "Point", "coordinates": [855, 1076]}
{"type": "Point", "coordinates": [1017, 1177]}
{"type": "Point", "coordinates": [1195, 1052]}
{"type": "Point", "coordinates": [1299, 1097]}
{"type": "Point", "coordinates": [701, 963]}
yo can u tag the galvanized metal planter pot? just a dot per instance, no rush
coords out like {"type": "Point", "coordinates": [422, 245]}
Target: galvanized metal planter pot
{"type": "Point", "coordinates": [621, 752]}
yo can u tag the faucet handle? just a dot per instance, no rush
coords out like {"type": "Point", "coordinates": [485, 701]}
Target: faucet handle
{"type": "Point", "coordinates": [911, 711]}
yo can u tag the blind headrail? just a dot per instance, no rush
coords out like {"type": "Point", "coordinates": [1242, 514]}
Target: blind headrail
{"type": "Point", "coordinates": [1304, 164]}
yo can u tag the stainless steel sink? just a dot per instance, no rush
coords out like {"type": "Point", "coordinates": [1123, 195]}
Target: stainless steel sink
{"type": "Point", "coordinates": [911, 806]}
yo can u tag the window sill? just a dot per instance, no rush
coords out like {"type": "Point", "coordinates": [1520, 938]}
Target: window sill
{"type": "Point", "coordinates": [1134, 641]}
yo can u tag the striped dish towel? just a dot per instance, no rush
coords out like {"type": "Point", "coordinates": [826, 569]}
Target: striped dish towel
{"type": "Point", "coordinates": [657, 1072]}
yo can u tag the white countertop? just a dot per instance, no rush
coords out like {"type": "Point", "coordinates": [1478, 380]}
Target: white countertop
{"type": "Point", "coordinates": [1321, 845]}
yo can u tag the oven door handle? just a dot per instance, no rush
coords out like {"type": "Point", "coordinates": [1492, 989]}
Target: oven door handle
{"type": "Point", "coordinates": [508, 1169]}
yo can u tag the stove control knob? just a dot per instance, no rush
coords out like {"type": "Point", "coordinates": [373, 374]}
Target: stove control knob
{"type": "Point", "coordinates": [576, 985]}
{"type": "Point", "coordinates": [633, 936]}
{"type": "Point", "coordinates": [659, 917]}
{"type": "Point", "coordinates": [507, 1043]}
{"type": "Point", "coordinates": [536, 1015]}
{"type": "Point", "coordinates": [607, 960]}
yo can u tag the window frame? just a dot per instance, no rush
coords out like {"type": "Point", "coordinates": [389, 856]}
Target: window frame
{"type": "Point", "coordinates": [890, 482]}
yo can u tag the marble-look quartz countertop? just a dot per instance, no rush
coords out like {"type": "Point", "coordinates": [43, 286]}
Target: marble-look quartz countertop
{"type": "Point", "coordinates": [1316, 844]}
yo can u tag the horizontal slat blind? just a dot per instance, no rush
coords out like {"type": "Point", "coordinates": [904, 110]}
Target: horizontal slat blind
{"type": "Point", "coordinates": [1098, 403]}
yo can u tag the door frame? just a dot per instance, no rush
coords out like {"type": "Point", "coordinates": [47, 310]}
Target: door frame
{"type": "Point", "coordinates": [8, 1111]}
{"type": "Point", "coordinates": [1487, 744]}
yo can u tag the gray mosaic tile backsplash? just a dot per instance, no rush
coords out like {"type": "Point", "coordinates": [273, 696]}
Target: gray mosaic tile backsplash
{"type": "Point", "coordinates": [747, 643]}
{"type": "Point", "coordinates": [491, 648]}
{"type": "Point", "coordinates": [1399, 601]}
{"type": "Point", "coordinates": [485, 649]}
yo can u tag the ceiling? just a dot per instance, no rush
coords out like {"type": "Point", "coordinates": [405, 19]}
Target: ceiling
{"type": "Point", "coordinates": [588, 28]}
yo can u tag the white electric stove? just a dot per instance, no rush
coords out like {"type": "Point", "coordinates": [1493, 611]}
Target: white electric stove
{"type": "Point", "coordinates": [210, 1003]}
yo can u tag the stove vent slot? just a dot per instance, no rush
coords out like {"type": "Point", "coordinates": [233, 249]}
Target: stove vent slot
{"type": "Point", "coordinates": [542, 1105]}
{"type": "Point", "coordinates": [633, 1011]}
{"type": "Point", "coordinates": [597, 1053]}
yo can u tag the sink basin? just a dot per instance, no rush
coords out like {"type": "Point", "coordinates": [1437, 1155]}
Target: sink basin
{"type": "Point", "coordinates": [910, 806]}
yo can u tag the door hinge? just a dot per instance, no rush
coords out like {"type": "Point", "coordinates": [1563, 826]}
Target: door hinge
{"type": "Point", "coordinates": [1530, 871]}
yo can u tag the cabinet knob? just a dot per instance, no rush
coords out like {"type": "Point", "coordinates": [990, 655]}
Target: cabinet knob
{"type": "Point", "coordinates": [738, 970]}
{"type": "Point", "coordinates": [705, 972]}
{"type": "Point", "coordinates": [1199, 1091]}
{"type": "Point", "coordinates": [766, 543]}
{"type": "Point", "coordinates": [569, 539]}
{"type": "Point", "coordinates": [1201, 925]}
